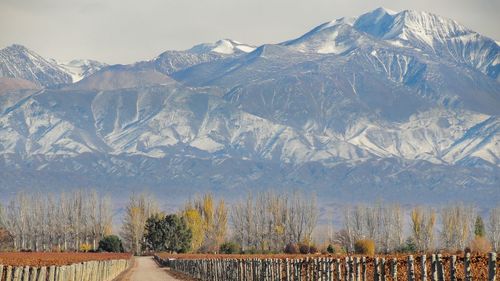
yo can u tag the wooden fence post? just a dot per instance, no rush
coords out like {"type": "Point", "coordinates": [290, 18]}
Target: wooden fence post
{"type": "Point", "coordinates": [376, 273]}
{"type": "Point", "coordinates": [423, 266]}
{"type": "Point", "coordinates": [315, 274]}
{"type": "Point", "coordinates": [453, 269]}
{"type": "Point", "coordinates": [287, 266]}
{"type": "Point", "coordinates": [34, 272]}
{"type": "Point", "coordinates": [8, 273]}
{"type": "Point", "coordinates": [382, 269]}
{"type": "Point", "coordinates": [17, 274]}
{"type": "Point", "coordinates": [347, 269]}
{"type": "Point", "coordinates": [331, 269]}
{"type": "Point", "coordinates": [440, 268]}
{"type": "Point", "coordinates": [411, 269]}
{"type": "Point", "coordinates": [338, 270]}
{"type": "Point", "coordinates": [26, 273]}
{"type": "Point", "coordinates": [42, 275]}
{"type": "Point", "coordinates": [394, 269]}
{"type": "Point", "coordinates": [434, 276]}
{"type": "Point", "coordinates": [357, 268]}
{"type": "Point", "coordinates": [363, 268]}
{"type": "Point", "coordinates": [351, 269]}
{"type": "Point", "coordinates": [492, 267]}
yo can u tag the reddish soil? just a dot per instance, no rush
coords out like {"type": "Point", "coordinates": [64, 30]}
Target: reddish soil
{"type": "Point", "coordinates": [48, 259]}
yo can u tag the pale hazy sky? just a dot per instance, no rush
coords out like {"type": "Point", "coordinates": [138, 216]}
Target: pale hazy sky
{"type": "Point", "coordinates": [124, 31]}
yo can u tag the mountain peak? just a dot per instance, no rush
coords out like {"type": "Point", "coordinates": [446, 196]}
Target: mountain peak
{"type": "Point", "coordinates": [17, 61]}
{"type": "Point", "coordinates": [81, 68]}
{"type": "Point", "coordinates": [383, 10]}
{"type": "Point", "coordinates": [385, 24]}
{"type": "Point", "coordinates": [223, 46]}
{"type": "Point", "coordinates": [17, 48]}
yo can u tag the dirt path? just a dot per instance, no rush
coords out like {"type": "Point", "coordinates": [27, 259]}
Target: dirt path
{"type": "Point", "coordinates": [146, 269]}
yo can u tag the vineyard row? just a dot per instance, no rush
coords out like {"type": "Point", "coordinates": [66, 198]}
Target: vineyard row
{"type": "Point", "coordinates": [437, 268]}
{"type": "Point", "coordinates": [105, 270]}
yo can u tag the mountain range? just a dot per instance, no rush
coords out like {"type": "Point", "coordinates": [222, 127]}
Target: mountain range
{"type": "Point", "coordinates": [392, 105]}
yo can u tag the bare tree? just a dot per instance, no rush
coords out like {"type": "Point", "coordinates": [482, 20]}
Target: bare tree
{"type": "Point", "coordinates": [303, 217]}
{"type": "Point", "coordinates": [494, 227]}
{"type": "Point", "coordinates": [243, 222]}
{"type": "Point", "coordinates": [39, 222]}
{"type": "Point", "coordinates": [423, 222]}
{"type": "Point", "coordinates": [139, 209]}
{"type": "Point", "coordinates": [381, 222]}
{"type": "Point", "coordinates": [457, 226]}
{"type": "Point", "coordinates": [268, 221]}
{"type": "Point", "coordinates": [391, 228]}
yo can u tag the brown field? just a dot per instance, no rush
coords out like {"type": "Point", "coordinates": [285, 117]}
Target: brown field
{"type": "Point", "coordinates": [479, 263]}
{"type": "Point", "coordinates": [48, 259]}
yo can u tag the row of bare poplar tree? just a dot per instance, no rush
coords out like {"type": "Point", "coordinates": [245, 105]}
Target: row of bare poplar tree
{"type": "Point", "coordinates": [68, 221]}
{"type": "Point", "coordinates": [385, 224]}
{"type": "Point", "coordinates": [266, 221]}
{"type": "Point", "coordinates": [263, 221]}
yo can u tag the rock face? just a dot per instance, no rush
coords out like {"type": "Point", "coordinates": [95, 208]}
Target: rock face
{"type": "Point", "coordinates": [79, 69]}
{"type": "Point", "coordinates": [401, 106]}
{"type": "Point", "coordinates": [17, 61]}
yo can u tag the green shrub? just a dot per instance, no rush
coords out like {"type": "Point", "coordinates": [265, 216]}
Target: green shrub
{"type": "Point", "coordinates": [111, 243]}
{"type": "Point", "coordinates": [330, 249]}
{"type": "Point", "coordinates": [365, 247]}
{"type": "Point", "coordinates": [409, 247]}
{"type": "Point", "coordinates": [229, 248]}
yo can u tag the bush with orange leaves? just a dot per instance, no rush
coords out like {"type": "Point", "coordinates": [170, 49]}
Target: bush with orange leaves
{"type": "Point", "coordinates": [365, 247]}
{"type": "Point", "coordinates": [480, 245]}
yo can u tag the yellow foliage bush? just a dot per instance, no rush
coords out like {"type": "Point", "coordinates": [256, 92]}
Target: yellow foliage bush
{"type": "Point", "coordinates": [85, 247]}
{"type": "Point", "coordinates": [480, 245]}
{"type": "Point", "coordinates": [365, 247]}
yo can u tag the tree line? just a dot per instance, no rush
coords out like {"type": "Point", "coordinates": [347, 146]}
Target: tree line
{"type": "Point", "coordinates": [453, 227]}
{"type": "Point", "coordinates": [262, 222]}
{"type": "Point", "coordinates": [68, 221]}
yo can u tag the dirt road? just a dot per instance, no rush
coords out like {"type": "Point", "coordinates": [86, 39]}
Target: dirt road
{"type": "Point", "coordinates": [146, 269]}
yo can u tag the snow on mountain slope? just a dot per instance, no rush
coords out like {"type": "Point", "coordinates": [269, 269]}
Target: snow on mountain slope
{"type": "Point", "coordinates": [425, 32]}
{"type": "Point", "coordinates": [480, 141]}
{"type": "Point", "coordinates": [430, 136]}
{"type": "Point", "coordinates": [170, 62]}
{"type": "Point", "coordinates": [17, 61]}
{"type": "Point", "coordinates": [435, 35]}
{"type": "Point", "coordinates": [121, 77]}
{"type": "Point", "coordinates": [330, 38]}
{"type": "Point", "coordinates": [400, 104]}
{"type": "Point", "coordinates": [151, 121]}
{"type": "Point", "coordinates": [224, 46]}
{"type": "Point", "coordinates": [79, 69]}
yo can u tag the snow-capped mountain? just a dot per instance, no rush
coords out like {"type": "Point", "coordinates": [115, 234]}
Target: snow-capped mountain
{"type": "Point", "coordinates": [173, 61]}
{"type": "Point", "coordinates": [79, 69]}
{"type": "Point", "coordinates": [225, 46]}
{"type": "Point", "coordinates": [17, 61]}
{"type": "Point", "coordinates": [394, 105]}
{"type": "Point", "coordinates": [433, 34]}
